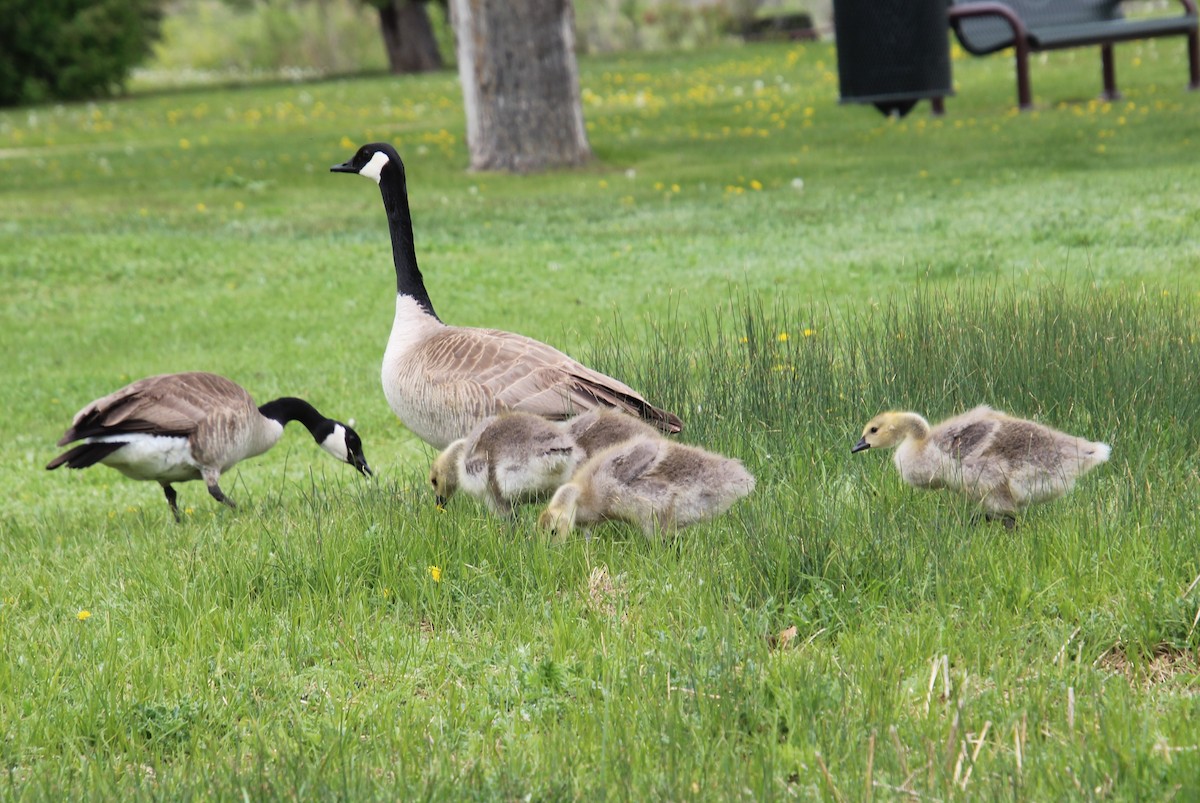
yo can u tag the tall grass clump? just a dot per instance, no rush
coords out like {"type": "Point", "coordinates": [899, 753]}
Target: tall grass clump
{"type": "Point", "coordinates": [789, 388]}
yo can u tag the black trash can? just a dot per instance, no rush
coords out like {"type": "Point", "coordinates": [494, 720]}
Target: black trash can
{"type": "Point", "coordinates": [892, 53]}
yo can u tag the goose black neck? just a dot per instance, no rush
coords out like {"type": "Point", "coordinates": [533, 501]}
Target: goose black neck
{"type": "Point", "coordinates": [292, 409]}
{"type": "Point", "coordinates": [404, 252]}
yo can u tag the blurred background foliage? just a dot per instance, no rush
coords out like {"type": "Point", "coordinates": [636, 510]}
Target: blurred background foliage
{"type": "Point", "coordinates": [76, 49]}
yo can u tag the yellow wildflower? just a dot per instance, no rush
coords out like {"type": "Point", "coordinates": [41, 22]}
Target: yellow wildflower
{"type": "Point", "coordinates": [83, 615]}
{"type": "Point", "coordinates": [783, 336]}
{"type": "Point", "coordinates": [435, 573]}
{"type": "Point", "coordinates": [809, 332]}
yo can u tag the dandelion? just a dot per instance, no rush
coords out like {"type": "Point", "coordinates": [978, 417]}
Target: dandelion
{"type": "Point", "coordinates": [346, 143]}
{"type": "Point", "coordinates": [184, 144]}
{"type": "Point", "coordinates": [238, 206]}
{"type": "Point", "coordinates": [809, 332]}
{"type": "Point", "coordinates": [83, 615]}
{"type": "Point", "coordinates": [200, 207]}
{"type": "Point", "coordinates": [783, 337]}
{"type": "Point", "coordinates": [435, 573]}
{"type": "Point", "coordinates": [603, 184]}
{"type": "Point", "coordinates": [756, 185]}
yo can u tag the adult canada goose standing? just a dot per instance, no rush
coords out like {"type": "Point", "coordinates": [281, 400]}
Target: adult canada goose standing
{"type": "Point", "coordinates": [1003, 463]}
{"type": "Point", "coordinates": [178, 427]}
{"type": "Point", "coordinates": [442, 380]}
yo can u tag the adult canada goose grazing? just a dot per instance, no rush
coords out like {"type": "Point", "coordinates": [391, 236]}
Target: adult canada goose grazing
{"type": "Point", "coordinates": [507, 458]}
{"type": "Point", "coordinates": [1003, 463]}
{"type": "Point", "coordinates": [442, 380]}
{"type": "Point", "coordinates": [178, 427]}
{"type": "Point", "coordinates": [651, 482]}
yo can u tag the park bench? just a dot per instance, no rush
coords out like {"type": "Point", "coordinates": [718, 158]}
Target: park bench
{"type": "Point", "coordinates": [985, 26]}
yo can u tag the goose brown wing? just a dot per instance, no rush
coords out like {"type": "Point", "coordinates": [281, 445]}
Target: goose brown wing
{"type": "Point", "coordinates": [520, 373]}
{"type": "Point", "coordinates": [167, 404]}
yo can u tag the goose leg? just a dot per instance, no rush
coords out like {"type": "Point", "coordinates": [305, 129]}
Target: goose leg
{"type": "Point", "coordinates": [210, 479]}
{"type": "Point", "coordinates": [169, 492]}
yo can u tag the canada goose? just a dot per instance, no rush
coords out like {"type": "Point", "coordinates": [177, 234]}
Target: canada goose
{"type": "Point", "coordinates": [442, 380]}
{"type": "Point", "coordinates": [178, 427]}
{"type": "Point", "coordinates": [506, 458]}
{"type": "Point", "coordinates": [648, 481]}
{"type": "Point", "coordinates": [1003, 463]}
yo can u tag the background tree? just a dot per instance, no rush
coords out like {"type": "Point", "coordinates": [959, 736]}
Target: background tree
{"type": "Point", "coordinates": [520, 84]}
{"type": "Point", "coordinates": [408, 35]}
{"type": "Point", "coordinates": [72, 49]}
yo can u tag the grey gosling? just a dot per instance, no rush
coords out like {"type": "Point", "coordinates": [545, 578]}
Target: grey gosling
{"type": "Point", "coordinates": [1003, 463]}
{"type": "Point", "coordinates": [506, 458]}
{"type": "Point", "coordinates": [653, 483]}
{"type": "Point", "coordinates": [517, 457]}
{"type": "Point", "coordinates": [179, 427]}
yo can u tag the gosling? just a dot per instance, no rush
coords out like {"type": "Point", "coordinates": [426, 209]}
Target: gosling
{"type": "Point", "coordinates": [1002, 463]}
{"type": "Point", "coordinates": [650, 482]}
{"type": "Point", "coordinates": [507, 458]}
{"type": "Point", "coordinates": [516, 457]}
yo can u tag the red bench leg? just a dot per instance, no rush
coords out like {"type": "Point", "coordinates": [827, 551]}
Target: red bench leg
{"type": "Point", "coordinates": [1110, 73]}
{"type": "Point", "coordinates": [1194, 59]}
{"type": "Point", "coordinates": [1024, 94]}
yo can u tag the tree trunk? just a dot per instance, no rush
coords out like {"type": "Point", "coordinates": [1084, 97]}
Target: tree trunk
{"type": "Point", "coordinates": [408, 37]}
{"type": "Point", "coordinates": [520, 83]}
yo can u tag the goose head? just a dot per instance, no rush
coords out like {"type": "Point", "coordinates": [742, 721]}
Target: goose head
{"type": "Point", "coordinates": [341, 441]}
{"type": "Point", "coordinates": [888, 429]}
{"type": "Point", "coordinates": [443, 475]}
{"type": "Point", "coordinates": [371, 161]}
{"type": "Point", "coordinates": [558, 519]}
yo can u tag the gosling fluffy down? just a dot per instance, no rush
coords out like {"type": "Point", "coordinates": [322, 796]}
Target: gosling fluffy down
{"type": "Point", "coordinates": [506, 458]}
{"type": "Point", "coordinates": [1003, 463]}
{"type": "Point", "coordinates": [514, 456]}
{"type": "Point", "coordinates": [650, 482]}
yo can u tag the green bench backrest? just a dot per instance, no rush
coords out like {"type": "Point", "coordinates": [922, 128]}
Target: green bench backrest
{"type": "Point", "coordinates": [988, 34]}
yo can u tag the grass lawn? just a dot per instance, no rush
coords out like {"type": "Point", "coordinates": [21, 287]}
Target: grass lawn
{"type": "Point", "coordinates": [774, 267]}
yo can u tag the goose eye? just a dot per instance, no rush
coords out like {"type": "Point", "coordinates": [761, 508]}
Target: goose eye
{"type": "Point", "coordinates": [433, 482]}
{"type": "Point", "coordinates": [874, 429]}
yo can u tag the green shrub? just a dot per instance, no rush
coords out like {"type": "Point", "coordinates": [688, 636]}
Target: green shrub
{"type": "Point", "coordinates": [71, 49]}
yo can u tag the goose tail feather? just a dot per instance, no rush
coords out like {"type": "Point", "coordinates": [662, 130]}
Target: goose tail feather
{"type": "Point", "coordinates": [84, 455]}
{"type": "Point", "coordinates": [630, 402]}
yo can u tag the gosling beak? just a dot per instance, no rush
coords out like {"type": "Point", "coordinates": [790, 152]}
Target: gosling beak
{"type": "Point", "coordinates": [861, 445]}
{"type": "Point", "coordinates": [344, 167]}
{"type": "Point", "coordinates": [441, 502]}
{"type": "Point", "coordinates": [360, 463]}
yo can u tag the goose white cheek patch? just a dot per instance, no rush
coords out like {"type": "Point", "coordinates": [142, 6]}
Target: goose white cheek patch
{"type": "Point", "coordinates": [335, 443]}
{"type": "Point", "coordinates": [374, 168]}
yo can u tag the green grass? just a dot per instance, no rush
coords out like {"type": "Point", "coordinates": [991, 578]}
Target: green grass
{"type": "Point", "coordinates": [299, 646]}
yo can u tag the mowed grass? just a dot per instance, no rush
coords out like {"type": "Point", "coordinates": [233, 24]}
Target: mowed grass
{"type": "Point", "coordinates": [303, 646]}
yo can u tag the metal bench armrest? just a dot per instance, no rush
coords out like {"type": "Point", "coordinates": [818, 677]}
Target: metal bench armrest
{"type": "Point", "coordinates": [990, 9]}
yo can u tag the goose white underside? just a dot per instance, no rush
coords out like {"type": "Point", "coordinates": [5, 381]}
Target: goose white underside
{"type": "Point", "coordinates": [161, 458]}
